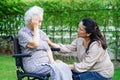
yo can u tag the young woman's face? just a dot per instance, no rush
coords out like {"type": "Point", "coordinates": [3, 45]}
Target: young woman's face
{"type": "Point", "coordinates": [81, 30]}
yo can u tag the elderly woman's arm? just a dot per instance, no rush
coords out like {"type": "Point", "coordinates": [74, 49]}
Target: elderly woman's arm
{"type": "Point", "coordinates": [50, 55]}
{"type": "Point", "coordinates": [35, 29]}
{"type": "Point", "coordinates": [35, 39]}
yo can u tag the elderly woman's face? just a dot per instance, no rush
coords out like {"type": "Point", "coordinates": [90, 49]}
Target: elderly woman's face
{"type": "Point", "coordinates": [36, 21]}
{"type": "Point", "coordinates": [81, 30]}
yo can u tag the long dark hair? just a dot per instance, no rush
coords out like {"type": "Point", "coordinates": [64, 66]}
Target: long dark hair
{"type": "Point", "coordinates": [96, 35]}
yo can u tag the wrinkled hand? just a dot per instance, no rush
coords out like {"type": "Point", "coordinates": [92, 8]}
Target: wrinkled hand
{"type": "Point", "coordinates": [71, 66]}
{"type": "Point", "coordinates": [53, 62]}
{"type": "Point", "coordinates": [58, 61]}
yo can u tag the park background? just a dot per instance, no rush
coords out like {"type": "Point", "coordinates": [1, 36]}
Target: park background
{"type": "Point", "coordinates": [61, 18]}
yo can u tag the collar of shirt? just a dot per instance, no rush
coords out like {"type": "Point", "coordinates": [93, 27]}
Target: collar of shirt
{"type": "Point", "coordinates": [29, 30]}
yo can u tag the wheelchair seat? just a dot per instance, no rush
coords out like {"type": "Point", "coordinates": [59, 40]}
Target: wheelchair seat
{"type": "Point", "coordinates": [20, 70]}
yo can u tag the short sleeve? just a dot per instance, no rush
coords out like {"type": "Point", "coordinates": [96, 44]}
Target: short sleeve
{"type": "Point", "coordinates": [24, 38]}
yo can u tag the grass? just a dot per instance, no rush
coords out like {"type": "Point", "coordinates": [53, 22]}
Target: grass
{"type": "Point", "coordinates": [7, 69]}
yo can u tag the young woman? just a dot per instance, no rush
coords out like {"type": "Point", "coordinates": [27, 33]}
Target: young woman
{"type": "Point", "coordinates": [94, 61]}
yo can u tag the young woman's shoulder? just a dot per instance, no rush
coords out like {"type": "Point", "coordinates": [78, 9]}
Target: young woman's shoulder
{"type": "Point", "coordinates": [96, 44]}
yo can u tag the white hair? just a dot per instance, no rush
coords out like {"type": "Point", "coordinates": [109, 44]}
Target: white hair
{"type": "Point", "coordinates": [35, 10]}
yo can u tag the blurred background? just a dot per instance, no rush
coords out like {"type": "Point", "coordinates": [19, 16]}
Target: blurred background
{"type": "Point", "coordinates": [61, 18]}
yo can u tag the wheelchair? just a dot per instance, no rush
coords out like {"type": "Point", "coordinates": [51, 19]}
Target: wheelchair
{"type": "Point", "coordinates": [21, 74]}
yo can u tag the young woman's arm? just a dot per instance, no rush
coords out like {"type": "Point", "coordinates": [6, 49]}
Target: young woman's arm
{"type": "Point", "coordinates": [64, 47]}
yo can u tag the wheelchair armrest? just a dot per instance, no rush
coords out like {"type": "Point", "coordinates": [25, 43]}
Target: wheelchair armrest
{"type": "Point", "coordinates": [21, 55]}
{"type": "Point", "coordinates": [55, 49]}
{"type": "Point", "coordinates": [28, 55]}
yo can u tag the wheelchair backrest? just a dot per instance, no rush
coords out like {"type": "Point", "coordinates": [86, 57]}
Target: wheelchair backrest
{"type": "Point", "coordinates": [17, 50]}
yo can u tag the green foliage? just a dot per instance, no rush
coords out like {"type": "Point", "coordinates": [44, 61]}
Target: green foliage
{"type": "Point", "coordinates": [66, 12]}
{"type": "Point", "coordinates": [62, 16]}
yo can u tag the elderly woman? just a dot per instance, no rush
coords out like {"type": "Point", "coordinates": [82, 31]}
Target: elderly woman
{"type": "Point", "coordinates": [94, 61]}
{"type": "Point", "coordinates": [33, 41]}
